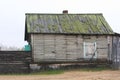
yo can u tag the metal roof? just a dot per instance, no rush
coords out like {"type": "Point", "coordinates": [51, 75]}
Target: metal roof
{"type": "Point", "coordinates": [67, 23]}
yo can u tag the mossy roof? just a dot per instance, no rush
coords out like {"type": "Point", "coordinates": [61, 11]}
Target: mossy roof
{"type": "Point", "coordinates": [67, 23]}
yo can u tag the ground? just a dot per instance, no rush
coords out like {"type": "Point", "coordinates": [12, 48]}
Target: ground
{"type": "Point", "coordinates": [69, 75]}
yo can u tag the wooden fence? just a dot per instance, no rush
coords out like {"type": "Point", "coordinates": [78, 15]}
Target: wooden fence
{"type": "Point", "coordinates": [15, 61]}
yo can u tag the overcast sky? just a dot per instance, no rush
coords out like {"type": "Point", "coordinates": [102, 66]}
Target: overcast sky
{"type": "Point", "coordinates": [12, 14]}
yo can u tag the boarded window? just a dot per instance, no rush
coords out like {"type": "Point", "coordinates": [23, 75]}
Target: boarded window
{"type": "Point", "coordinates": [90, 50]}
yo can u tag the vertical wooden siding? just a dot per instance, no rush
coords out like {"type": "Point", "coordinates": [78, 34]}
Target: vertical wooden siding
{"type": "Point", "coordinates": [115, 57]}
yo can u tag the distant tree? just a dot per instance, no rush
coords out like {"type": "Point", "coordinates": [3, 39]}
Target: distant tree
{"type": "Point", "coordinates": [11, 48]}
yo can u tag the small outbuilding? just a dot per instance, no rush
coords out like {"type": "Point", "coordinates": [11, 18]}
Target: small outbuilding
{"type": "Point", "coordinates": [56, 38]}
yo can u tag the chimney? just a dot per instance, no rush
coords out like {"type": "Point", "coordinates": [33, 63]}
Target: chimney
{"type": "Point", "coordinates": [65, 11]}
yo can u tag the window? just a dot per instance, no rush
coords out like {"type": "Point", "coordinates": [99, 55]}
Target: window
{"type": "Point", "coordinates": [90, 50]}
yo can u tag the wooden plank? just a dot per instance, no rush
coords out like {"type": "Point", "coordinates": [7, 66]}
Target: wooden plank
{"type": "Point", "coordinates": [71, 46]}
{"type": "Point", "coordinates": [38, 36]}
{"type": "Point", "coordinates": [80, 47]}
{"type": "Point", "coordinates": [102, 44]}
{"type": "Point", "coordinates": [38, 52]}
{"type": "Point", "coordinates": [60, 56]}
{"type": "Point", "coordinates": [60, 47]}
{"type": "Point", "coordinates": [9, 56]}
{"type": "Point", "coordinates": [99, 38]}
{"type": "Point", "coordinates": [72, 56]}
{"type": "Point", "coordinates": [39, 48]}
{"type": "Point", "coordinates": [102, 53]}
{"type": "Point", "coordinates": [89, 38]}
{"type": "Point", "coordinates": [40, 56]}
{"type": "Point", "coordinates": [60, 38]}
{"type": "Point", "coordinates": [49, 37]}
{"type": "Point", "coordinates": [49, 56]}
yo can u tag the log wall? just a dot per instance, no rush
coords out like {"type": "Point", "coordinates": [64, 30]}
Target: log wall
{"type": "Point", "coordinates": [53, 48]}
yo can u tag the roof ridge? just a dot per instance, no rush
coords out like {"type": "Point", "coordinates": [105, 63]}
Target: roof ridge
{"type": "Point", "coordinates": [63, 14]}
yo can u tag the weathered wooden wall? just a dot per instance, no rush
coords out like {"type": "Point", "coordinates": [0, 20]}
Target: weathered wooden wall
{"type": "Point", "coordinates": [115, 57]}
{"type": "Point", "coordinates": [14, 61]}
{"type": "Point", "coordinates": [53, 48]}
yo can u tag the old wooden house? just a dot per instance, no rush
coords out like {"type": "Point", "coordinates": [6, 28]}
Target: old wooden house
{"type": "Point", "coordinates": [56, 38]}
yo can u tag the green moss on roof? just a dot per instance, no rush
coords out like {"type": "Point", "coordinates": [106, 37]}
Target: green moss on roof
{"type": "Point", "coordinates": [67, 23]}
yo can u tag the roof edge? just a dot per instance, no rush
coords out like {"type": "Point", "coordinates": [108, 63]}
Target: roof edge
{"type": "Point", "coordinates": [74, 33]}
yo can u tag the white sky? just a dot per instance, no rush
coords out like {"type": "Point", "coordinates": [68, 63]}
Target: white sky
{"type": "Point", "coordinates": [12, 14]}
